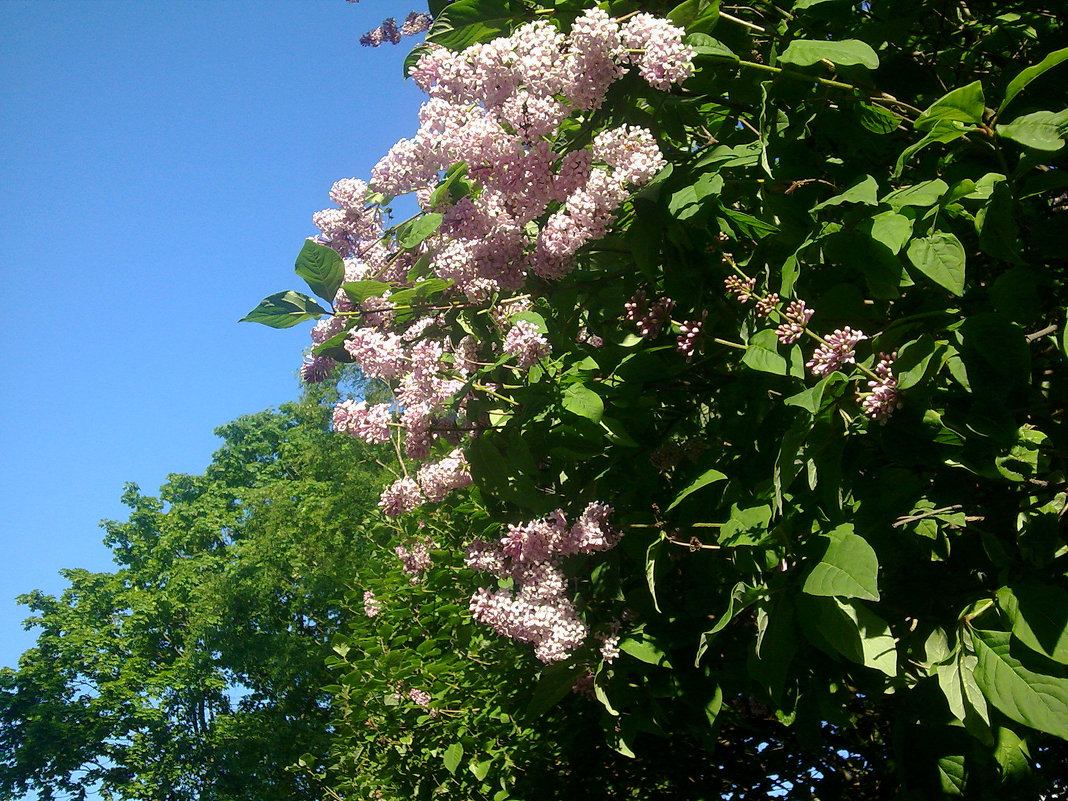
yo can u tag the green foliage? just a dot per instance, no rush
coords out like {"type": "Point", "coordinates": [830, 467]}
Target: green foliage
{"type": "Point", "coordinates": [813, 599]}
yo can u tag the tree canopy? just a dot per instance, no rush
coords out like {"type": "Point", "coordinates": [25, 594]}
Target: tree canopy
{"type": "Point", "coordinates": [195, 669]}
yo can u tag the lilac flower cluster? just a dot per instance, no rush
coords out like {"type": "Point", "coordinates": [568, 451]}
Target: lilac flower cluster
{"type": "Point", "coordinates": [883, 397]}
{"type": "Point", "coordinates": [687, 341]}
{"type": "Point", "coordinates": [648, 320]}
{"type": "Point", "coordinates": [371, 605]}
{"type": "Point", "coordinates": [416, 559]}
{"type": "Point", "coordinates": [837, 349]}
{"type": "Point", "coordinates": [494, 107]}
{"type": "Point", "coordinates": [388, 31]}
{"type": "Point", "coordinates": [433, 482]}
{"type": "Point", "coordinates": [526, 344]}
{"type": "Point", "coordinates": [538, 610]}
{"type": "Point", "coordinates": [420, 697]}
{"type": "Point", "coordinates": [834, 352]}
{"type": "Point", "coordinates": [797, 317]}
{"type": "Point", "coordinates": [369, 423]}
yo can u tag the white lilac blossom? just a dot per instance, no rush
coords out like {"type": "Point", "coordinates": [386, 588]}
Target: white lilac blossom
{"type": "Point", "coordinates": [837, 350]}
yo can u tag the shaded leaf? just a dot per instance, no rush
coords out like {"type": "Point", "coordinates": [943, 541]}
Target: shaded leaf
{"type": "Point", "coordinates": [940, 257]}
{"type": "Point", "coordinates": [703, 480]}
{"type": "Point", "coordinates": [848, 568]}
{"type": "Point", "coordinates": [285, 309]}
{"type": "Point", "coordinates": [1038, 700]}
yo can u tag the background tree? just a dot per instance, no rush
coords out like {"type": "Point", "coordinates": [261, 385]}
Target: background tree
{"type": "Point", "coordinates": [195, 669]}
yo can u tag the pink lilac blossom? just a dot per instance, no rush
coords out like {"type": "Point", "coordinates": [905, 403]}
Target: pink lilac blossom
{"type": "Point", "coordinates": [797, 318]}
{"type": "Point", "coordinates": [367, 423]}
{"type": "Point", "coordinates": [538, 609]}
{"type": "Point", "coordinates": [882, 399]}
{"type": "Point", "coordinates": [767, 304]}
{"type": "Point", "coordinates": [837, 351]}
{"type": "Point", "coordinates": [417, 559]}
{"type": "Point", "coordinates": [326, 328]}
{"type": "Point", "coordinates": [400, 497]}
{"type": "Point", "coordinates": [371, 605]}
{"type": "Point", "coordinates": [439, 479]}
{"type": "Point", "coordinates": [741, 288]}
{"type": "Point", "coordinates": [420, 698]}
{"type": "Point", "coordinates": [664, 60]}
{"type": "Point", "coordinates": [686, 342]}
{"type": "Point", "coordinates": [631, 151]}
{"type": "Point", "coordinates": [378, 355]}
{"type": "Point", "coordinates": [526, 344]}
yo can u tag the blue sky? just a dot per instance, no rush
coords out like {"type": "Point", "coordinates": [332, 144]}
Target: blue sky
{"type": "Point", "coordinates": [159, 166]}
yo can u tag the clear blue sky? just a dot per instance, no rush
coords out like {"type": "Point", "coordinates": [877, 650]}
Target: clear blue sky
{"type": "Point", "coordinates": [159, 166]}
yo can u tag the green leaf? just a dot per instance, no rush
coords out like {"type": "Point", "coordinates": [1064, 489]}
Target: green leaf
{"type": "Point", "coordinates": [1039, 617]}
{"type": "Point", "coordinates": [747, 224]}
{"type": "Point", "coordinates": [1017, 84]}
{"type": "Point", "coordinates": [812, 399]}
{"type": "Point", "coordinates": [285, 309]}
{"type": "Point", "coordinates": [706, 47]}
{"type": "Point", "coordinates": [848, 568]}
{"type": "Point", "coordinates": [1038, 700]}
{"type": "Point", "coordinates": [322, 268]}
{"type": "Point", "coordinates": [1011, 754]}
{"type": "Point", "coordinates": [746, 526]}
{"type": "Point", "coordinates": [553, 685]}
{"type": "Point", "coordinates": [923, 194]}
{"type": "Point", "coordinates": [359, 291]}
{"type": "Point", "coordinates": [914, 358]}
{"type": "Point", "coordinates": [583, 401]}
{"type": "Point", "coordinates": [703, 480]}
{"type": "Point", "coordinates": [465, 22]}
{"type": "Point", "coordinates": [762, 353]}
{"type": "Point", "coordinates": [890, 229]}
{"type": "Point", "coordinates": [742, 596]}
{"type": "Point", "coordinates": [411, 234]}
{"type": "Point", "coordinates": [961, 107]}
{"type": "Point", "coordinates": [804, 52]}
{"type": "Point", "coordinates": [452, 756]}
{"type": "Point", "coordinates": [849, 628]}
{"type": "Point", "coordinates": [940, 257]}
{"type": "Point", "coordinates": [479, 769]}
{"type": "Point", "coordinates": [875, 119]}
{"type": "Point", "coordinates": [533, 318]}
{"type": "Point", "coordinates": [1042, 130]}
{"type": "Point", "coordinates": [644, 650]}
{"type": "Point", "coordinates": [453, 186]}
{"type": "Point", "coordinates": [952, 774]}
{"type": "Point", "coordinates": [865, 190]}
{"type": "Point", "coordinates": [656, 547]}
